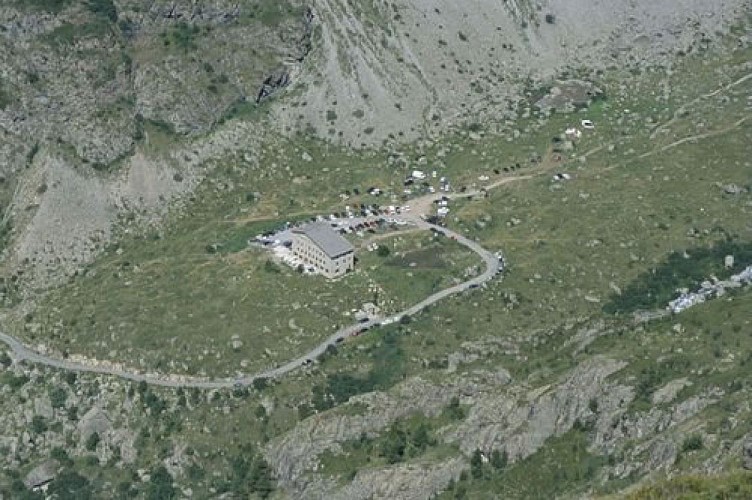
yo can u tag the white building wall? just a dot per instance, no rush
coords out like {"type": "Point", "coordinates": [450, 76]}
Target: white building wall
{"type": "Point", "coordinates": [312, 255]}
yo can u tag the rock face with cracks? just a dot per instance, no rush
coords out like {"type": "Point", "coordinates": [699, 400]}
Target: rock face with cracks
{"type": "Point", "coordinates": [502, 416]}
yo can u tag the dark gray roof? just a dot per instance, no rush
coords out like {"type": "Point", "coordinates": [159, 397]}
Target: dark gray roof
{"type": "Point", "coordinates": [326, 238]}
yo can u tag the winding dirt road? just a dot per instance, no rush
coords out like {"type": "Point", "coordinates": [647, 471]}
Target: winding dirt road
{"type": "Point", "coordinates": [22, 352]}
{"type": "Point", "coordinates": [422, 205]}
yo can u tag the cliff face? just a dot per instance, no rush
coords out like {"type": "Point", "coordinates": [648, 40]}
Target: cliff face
{"type": "Point", "coordinates": [104, 107]}
{"type": "Point", "coordinates": [88, 79]}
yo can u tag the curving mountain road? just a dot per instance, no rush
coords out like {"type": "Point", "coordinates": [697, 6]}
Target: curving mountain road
{"type": "Point", "coordinates": [493, 265]}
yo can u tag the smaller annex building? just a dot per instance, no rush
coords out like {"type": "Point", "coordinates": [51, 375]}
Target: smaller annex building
{"type": "Point", "coordinates": [319, 246]}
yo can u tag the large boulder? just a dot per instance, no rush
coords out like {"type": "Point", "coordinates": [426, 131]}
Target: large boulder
{"type": "Point", "coordinates": [95, 420]}
{"type": "Point", "coordinates": [747, 455]}
{"type": "Point", "coordinates": [42, 474]}
{"type": "Point", "coordinates": [569, 95]}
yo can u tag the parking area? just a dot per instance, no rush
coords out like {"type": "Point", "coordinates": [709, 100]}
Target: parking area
{"type": "Point", "coordinates": [359, 221]}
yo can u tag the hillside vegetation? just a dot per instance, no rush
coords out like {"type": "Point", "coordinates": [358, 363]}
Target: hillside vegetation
{"type": "Point", "coordinates": [565, 377]}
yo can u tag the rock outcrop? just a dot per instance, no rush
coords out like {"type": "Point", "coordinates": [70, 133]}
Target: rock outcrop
{"type": "Point", "coordinates": [42, 474]}
{"type": "Point", "coordinates": [502, 416]}
{"type": "Point", "coordinates": [85, 94]}
{"type": "Point", "coordinates": [747, 455]}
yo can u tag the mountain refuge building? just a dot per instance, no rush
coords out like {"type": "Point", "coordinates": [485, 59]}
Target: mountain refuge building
{"type": "Point", "coordinates": [319, 246]}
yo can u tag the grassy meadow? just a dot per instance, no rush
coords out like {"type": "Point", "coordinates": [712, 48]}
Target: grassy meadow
{"type": "Point", "coordinates": [197, 299]}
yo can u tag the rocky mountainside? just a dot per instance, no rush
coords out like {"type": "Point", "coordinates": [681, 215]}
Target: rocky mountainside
{"type": "Point", "coordinates": [89, 77]}
{"type": "Point", "coordinates": [143, 142]}
{"type": "Point", "coordinates": [101, 102]}
{"type": "Point", "coordinates": [409, 68]}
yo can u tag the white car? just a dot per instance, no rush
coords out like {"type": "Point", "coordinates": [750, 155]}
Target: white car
{"type": "Point", "coordinates": [588, 124]}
